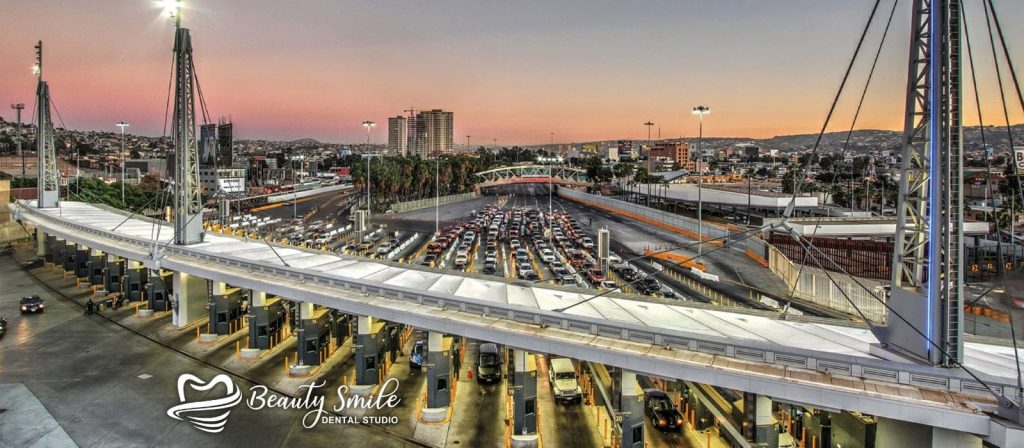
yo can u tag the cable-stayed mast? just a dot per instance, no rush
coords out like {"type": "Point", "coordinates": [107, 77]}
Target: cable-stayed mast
{"type": "Point", "coordinates": [927, 261]}
{"type": "Point", "coordinates": [188, 208]}
{"type": "Point", "coordinates": [48, 183]}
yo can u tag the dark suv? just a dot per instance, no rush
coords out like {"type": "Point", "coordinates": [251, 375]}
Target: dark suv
{"type": "Point", "coordinates": [662, 412]}
{"type": "Point", "coordinates": [648, 285]}
{"type": "Point", "coordinates": [31, 304]}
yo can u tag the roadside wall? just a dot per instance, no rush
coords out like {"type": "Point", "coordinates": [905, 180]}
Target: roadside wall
{"type": "Point", "coordinates": [429, 202]}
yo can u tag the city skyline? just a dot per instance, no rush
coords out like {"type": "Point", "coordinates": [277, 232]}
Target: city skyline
{"type": "Point", "coordinates": [611, 67]}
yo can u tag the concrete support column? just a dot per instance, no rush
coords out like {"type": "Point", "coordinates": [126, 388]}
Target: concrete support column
{"type": "Point", "coordinates": [898, 433]}
{"type": "Point", "coordinates": [306, 332]}
{"type": "Point", "coordinates": [524, 395]}
{"type": "Point", "coordinates": [267, 318]}
{"type": "Point", "coordinates": [215, 294]}
{"type": "Point", "coordinates": [40, 242]}
{"type": "Point", "coordinates": [305, 310]}
{"type": "Point", "coordinates": [439, 370]}
{"type": "Point", "coordinates": [95, 266]}
{"type": "Point", "coordinates": [257, 298]}
{"type": "Point", "coordinates": [369, 355]}
{"type": "Point", "coordinates": [631, 406]}
{"type": "Point", "coordinates": [757, 424]}
{"type": "Point", "coordinates": [114, 277]}
{"type": "Point", "coordinates": [190, 298]}
{"type": "Point", "coordinates": [217, 288]}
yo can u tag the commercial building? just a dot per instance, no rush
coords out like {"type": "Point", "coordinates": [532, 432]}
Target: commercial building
{"type": "Point", "coordinates": [156, 167]}
{"type": "Point", "coordinates": [626, 150]}
{"type": "Point", "coordinates": [676, 152]}
{"type": "Point", "coordinates": [398, 135]}
{"type": "Point", "coordinates": [431, 133]}
{"type": "Point", "coordinates": [221, 181]}
{"type": "Point", "coordinates": [225, 140]}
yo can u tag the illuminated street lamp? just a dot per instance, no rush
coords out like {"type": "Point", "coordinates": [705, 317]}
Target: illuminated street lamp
{"type": "Point", "coordinates": [700, 111]}
{"type": "Point", "coordinates": [368, 125]}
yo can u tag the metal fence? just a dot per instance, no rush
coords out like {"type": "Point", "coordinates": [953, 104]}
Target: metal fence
{"type": "Point", "coordinates": [430, 202]}
{"type": "Point", "coordinates": [833, 290]}
{"type": "Point", "coordinates": [687, 226]}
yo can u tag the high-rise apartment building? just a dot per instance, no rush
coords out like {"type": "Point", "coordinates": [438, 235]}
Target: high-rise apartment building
{"type": "Point", "coordinates": [431, 133]}
{"type": "Point", "coordinates": [398, 136]}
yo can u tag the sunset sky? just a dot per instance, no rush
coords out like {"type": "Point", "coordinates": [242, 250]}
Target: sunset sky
{"type": "Point", "coordinates": [510, 70]}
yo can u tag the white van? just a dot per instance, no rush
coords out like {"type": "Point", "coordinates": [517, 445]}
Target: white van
{"type": "Point", "coordinates": [564, 384]}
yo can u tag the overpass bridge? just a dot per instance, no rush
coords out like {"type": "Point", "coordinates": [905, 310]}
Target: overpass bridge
{"type": "Point", "coordinates": [811, 362]}
{"type": "Point", "coordinates": [532, 174]}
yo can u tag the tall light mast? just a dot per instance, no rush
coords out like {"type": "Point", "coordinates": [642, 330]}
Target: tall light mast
{"type": "Point", "coordinates": [48, 183]}
{"type": "Point", "coordinates": [927, 272]}
{"type": "Point", "coordinates": [188, 208]}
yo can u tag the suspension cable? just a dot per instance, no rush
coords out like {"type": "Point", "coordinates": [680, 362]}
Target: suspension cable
{"type": "Point", "coordinates": [846, 143]}
{"type": "Point", "coordinates": [900, 316]}
{"type": "Point", "coordinates": [798, 180]}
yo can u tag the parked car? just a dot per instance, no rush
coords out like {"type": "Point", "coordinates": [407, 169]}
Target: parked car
{"type": "Point", "coordinates": [489, 268]}
{"type": "Point", "coordinates": [648, 285]}
{"type": "Point", "coordinates": [663, 414]}
{"type": "Point", "coordinates": [33, 263]}
{"type": "Point", "coordinates": [595, 276]}
{"type": "Point", "coordinates": [32, 304]}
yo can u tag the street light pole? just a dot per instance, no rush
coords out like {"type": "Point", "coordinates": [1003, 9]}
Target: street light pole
{"type": "Point", "coordinates": [649, 124]}
{"type": "Point", "coordinates": [437, 194]}
{"type": "Point", "coordinates": [17, 109]}
{"type": "Point", "coordinates": [122, 125]}
{"type": "Point", "coordinates": [700, 111]}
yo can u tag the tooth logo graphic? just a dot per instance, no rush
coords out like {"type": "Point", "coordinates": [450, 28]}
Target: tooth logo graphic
{"type": "Point", "coordinates": [188, 410]}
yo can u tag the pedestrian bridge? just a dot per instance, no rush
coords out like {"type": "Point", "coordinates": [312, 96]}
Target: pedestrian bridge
{"type": "Point", "coordinates": [532, 174]}
{"type": "Point", "coordinates": [807, 361]}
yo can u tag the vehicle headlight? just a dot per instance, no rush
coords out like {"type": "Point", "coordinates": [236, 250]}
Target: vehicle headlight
{"type": "Point", "coordinates": [23, 307]}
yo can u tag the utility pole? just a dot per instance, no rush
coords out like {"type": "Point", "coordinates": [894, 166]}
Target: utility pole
{"type": "Point", "coordinates": [122, 125]}
{"type": "Point", "coordinates": [437, 194]}
{"type": "Point", "coordinates": [700, 111]}
{"type": "Point", "coordinates": [17, 110]}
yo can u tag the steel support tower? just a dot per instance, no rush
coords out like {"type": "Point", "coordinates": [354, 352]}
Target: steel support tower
{"type": "Point", "coordinates": [48, 182]}
{"type": "Point", "coordinates": [188, 207]}
{"type": "Point", "coordinates": [927, 261]}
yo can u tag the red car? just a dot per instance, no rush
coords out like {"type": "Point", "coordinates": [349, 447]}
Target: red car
{"type": "Point", "coordinates": [595, 276]}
